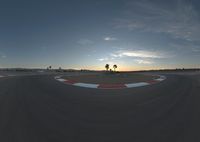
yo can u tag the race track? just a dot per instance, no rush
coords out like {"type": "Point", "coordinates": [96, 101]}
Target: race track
{"type": "Point", "coordinates": [41, 109]}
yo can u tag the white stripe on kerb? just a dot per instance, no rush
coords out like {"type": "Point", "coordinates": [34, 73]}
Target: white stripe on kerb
{"type": "Point", "coordinates": [86, 85]}
{"type": "Point", "coordinates": [62, 80]}
{"type": "Point", "coordinates": [163, 77]}
{"type": "Point", "coordinates": [130, 85]}
{"type": "Point", "coordinates": [159, 79]}
{"type": "Point", "coordinates": [57, 77]}
{"type": "Point", "coordinates": [1, 76]}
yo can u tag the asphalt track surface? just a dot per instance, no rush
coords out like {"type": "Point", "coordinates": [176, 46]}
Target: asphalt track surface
{"type": "Point", "coordinates": [41, 109]}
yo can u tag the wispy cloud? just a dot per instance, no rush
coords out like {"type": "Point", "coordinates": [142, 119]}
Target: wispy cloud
{"type": "Point", "coordinates": [140, 61]}
{"type": "Point", "coordinates": [180, 20]}
{"type": "Point", "coordinates": [138, 54]}
{"type": "Point", "coordinates": [85, 42]}
{"type": "Point", "coordinates": [110, 38]}
{"type": "Point", "coordinates": [2, 55]}
{"type": "Point", "coordinates": [186, 47]}
{"type": "Point", "coordinates": [103, 59]}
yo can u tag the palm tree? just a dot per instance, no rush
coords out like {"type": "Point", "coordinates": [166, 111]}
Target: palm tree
{"type": "Point", "coordinates": [114, 67]}
{"type": "Point", "coordinates": [107, 66]}
{"type": "Point", "coordinates": [49, 67]}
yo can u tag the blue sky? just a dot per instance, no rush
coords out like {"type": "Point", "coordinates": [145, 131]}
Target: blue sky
{"type": "Point", "coordinates": [134, 34]}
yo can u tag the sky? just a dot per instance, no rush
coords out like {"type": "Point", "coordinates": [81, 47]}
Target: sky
{"type": "Point", "coordinates": [87, 34]}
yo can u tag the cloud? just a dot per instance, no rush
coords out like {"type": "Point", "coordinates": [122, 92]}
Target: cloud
{"type": "Point", "coordinates": [140, 61]}
{"type": "Point", "coordinates": [195, 50]}
{"type": "Point", "coordinates": [186, 46]}
{"type": "Point", "coordinates": [110, 38]}
{"type": "Point", "coordinates": [138, 54]}
{"type": "Point", "coordinates": [2, 55]}
{"type": "Point", "coordinates": [103, 59]}
{"type": "Point", "coordinates": [179, 19]}
{"type": "Point", "coordinates": [85, 42]}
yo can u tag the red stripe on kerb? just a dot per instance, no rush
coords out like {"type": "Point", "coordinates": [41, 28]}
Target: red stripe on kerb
{"type": "Point", "coordinates": [70, 81]}
{"type": "Point", "coordinates": [152, 81]}
{"type": "Point", "coordinates": [111, 86]}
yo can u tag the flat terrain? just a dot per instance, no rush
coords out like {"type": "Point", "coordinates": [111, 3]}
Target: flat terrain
{"type": "Point", "coordinates": [114, 78]}
{"type": "Point", "coordinates": [40, 109]}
